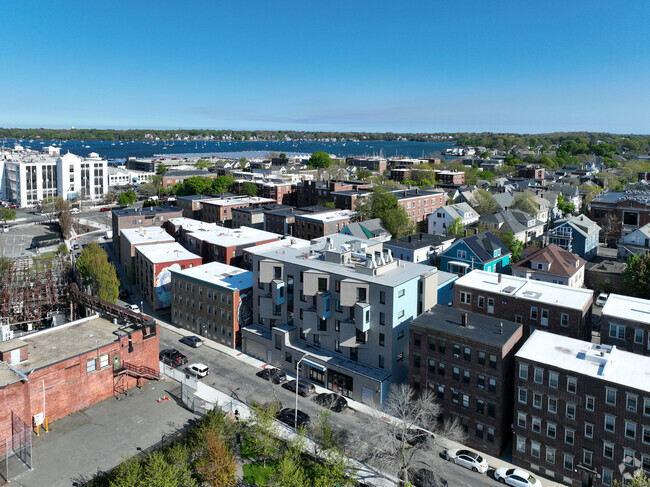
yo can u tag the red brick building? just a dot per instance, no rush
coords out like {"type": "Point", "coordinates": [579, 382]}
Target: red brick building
{"type": "Point", "coordinates": [309, 193]}
{"type": "Point", "coordinates": [631, 209]}
{"type": "Point", "coordinates": [220, 210]}
{"type": "Point", "coordinates": [72, 366]}
{"type": "Point", "coordinates": [455, 178]}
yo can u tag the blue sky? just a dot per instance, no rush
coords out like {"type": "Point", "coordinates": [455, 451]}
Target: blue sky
{"type": "Point", "coordinates": [403, 66]}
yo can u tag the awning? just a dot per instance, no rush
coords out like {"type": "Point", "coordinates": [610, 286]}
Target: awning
{"type": "Point", "coordinates": [459, 264]}
{"type": "Point", "coordinates": [314, 365]}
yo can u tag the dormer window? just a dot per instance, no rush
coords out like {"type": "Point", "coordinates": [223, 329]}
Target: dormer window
{"type": "Point", "coordinates": [540, 266]}
{"type": "Point", "coordinates": [497, 252]}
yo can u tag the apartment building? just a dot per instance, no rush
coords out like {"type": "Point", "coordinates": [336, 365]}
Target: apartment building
{"type": "Point", "coordinates": [468, 360]}
{"type": "Point", "coordinates": [582, 411]}
{"type": "Point", "coordinates": [170, 178]}
{"type": "Point", "coordinates": [625, 322]}
{"type": "Point", "coordinates": [213, 300]}
{"type": "Point", "coordinates": [559, 309]}
{"type": "Point", "coordinates": [130, 238]}
{"type": "Point", "coordinates": [420, 203]}
{"type": "Point", "coordinates": [192, 205]}
{"type": "Point", "coordinates": [310, 193]}
{"type": "Point", "coordinates": [631, 209]}
{"type": "Point", "coordinates": [153, 266]}
{"type": "Point", "coordinates": [440, 220]}
{"type": "Point", "coordinates": [342, 304]}
{"type": "Point", "coordinates": [154, 216]}
{"type": "Point", "coordinates": [219, 210]}
{"type": "Point", "coordinates": [254, 217]}
{"type": "Point", "coordinates": [373, 164]}
{"type": "Point", "coordinates": [451, 178]}
{"type": "Point", "coordinates": [309, 226]}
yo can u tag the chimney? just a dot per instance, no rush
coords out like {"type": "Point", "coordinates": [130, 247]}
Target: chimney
{"type": "Point", "coordinates": [463, 319]}
{"type": "Point", "coordinates": [499, 278]}
{"type": "Point", "coordinates": [465, 232]}
{"type": "Point", "coordinates": [409, 239]}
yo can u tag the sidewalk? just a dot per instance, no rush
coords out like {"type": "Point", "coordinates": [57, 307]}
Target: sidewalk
{"type": "Point", "coordinates": [494, 462]}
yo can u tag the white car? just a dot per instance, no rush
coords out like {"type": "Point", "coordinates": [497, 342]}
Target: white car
{"type": "Point", "coordinates": [468, 459]}
{"type": "Point", "coordinates": [516, 477]}
{"type": "Point", "coordinates": [75, 211]}
{"type": "Point", "coordinates": [133, 307]}
{"type": "Point", "coordinates": [602, 299]}
{"type": "Point", "coordinates": [198, 370]}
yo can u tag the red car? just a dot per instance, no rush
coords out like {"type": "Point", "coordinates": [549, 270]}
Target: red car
{"type": "Point", "coordinates": [12, 207]}
{"type": "Point", "coordinates": [104, 209]}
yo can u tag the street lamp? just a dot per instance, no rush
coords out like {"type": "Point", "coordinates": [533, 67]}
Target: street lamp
{"type": "Point", "coordinates": [295, 423]}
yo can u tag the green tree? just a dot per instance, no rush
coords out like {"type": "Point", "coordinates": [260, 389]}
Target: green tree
{"type": "Point", "coordinates": [483, 202]}
{"type": "Point", "coordinates": [98, 273]}
{"type": "Point", "coordinates": [195, 185]}
{"type": "Point", "coordinates": [456, 228]}
{"type": "Point", "coordinates": [222, 184]}
{"type": "Point", "coordinates": [129, 473]}
{"type": "Point", "coordinates": [636, 277]}
{"type": "Point", "coordinates": [264, 442]}
{"type": "Point", "coordinates": [161, 169]}
{"type": "Point", "coordinates": [487, 175]}
{"type": "Point", "coordinates": [320, 160]}
{"type": "Point", "coordinates": [126, 198]}
{"type": "Point", "coordinates": [283, 155]}
{"type": "Point", "coordinates": [170, 468]}
{"type": "Point", "coordinates": [290, 471]}
{"type": "Point", "coordinates": [332, 470]}
{"type": "Point", "coordinates": [566, 206]}
{"type": "Point", "coordinates": [525, 202]}
{"type": "Point", "coordinates": [7, 214]}
{"type": "Point", "coordinates": [382, 204]}
{"type": "Point", "coordinates": [147, 189]}
{"type": "Point", "coordinates": [515, 246]}
{"type": "Point", "coordinates": [639, 480]}
{"type": "Point", "coordinates": [203, 164]}
{"type": "Point", "coordinates": [249, 189]}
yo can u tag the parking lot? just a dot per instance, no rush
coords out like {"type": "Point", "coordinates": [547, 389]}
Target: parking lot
{"type": "Point", "coordinates": [17, 241]}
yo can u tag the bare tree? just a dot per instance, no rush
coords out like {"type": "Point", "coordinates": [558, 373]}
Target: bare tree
{"type": "Point", "coordinates": [609, 224]}
{"type": "Point", "coordinates": [402, 437]}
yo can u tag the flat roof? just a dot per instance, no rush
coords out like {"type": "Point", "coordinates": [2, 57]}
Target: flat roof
{"type": "Point", "coordinates": [191, 223]}
{"type": "Point", "coordinates": [59, 343]}
{"type": "Point", "coordinates": [604, 362]}
{"type": "Point", "coordinates": [329, 216]}
{"type": "Point", "coordinates": [218, 274]}
{"type": "Point", "coordinates": [418, 241]}
{"type": "Point", "coordinates": [166, 252]}
{"type": "Point", "coordinates": [152, 210]}
{"type": "Point", "coordinates": [627, 308]}
{"type": "Point", "coordinates": [238, 201]}
{"type": "Point", "coordinates": [147, 235]}
{"type": "Point", "coordinates": [538, 291]}
{"type": "Point", "coordinates": [481, 328]}
{"type": "Point", "coordinates": [233, 237]}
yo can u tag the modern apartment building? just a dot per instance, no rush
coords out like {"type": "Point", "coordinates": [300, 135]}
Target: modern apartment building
{"type": "Point", "coordinates": [556, 308]}
{"type": "Point", "coordinates": [342, 304]}
{"type": "Point", "coordinates": [625, 322]}
{"type": "Point", "coordinates": [582, 411]}
{"type": "Point", "coordinates": [468, 360]}
{"type": "Point", "coordinates": [213, 300]}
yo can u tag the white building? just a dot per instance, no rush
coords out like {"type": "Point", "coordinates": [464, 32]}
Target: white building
{"type": "Point", "coordinates": [119, 177]}
{"type": "Point", "coordinates": [440, 220]}
{"type": "Point", "coordinates": [85, 178]}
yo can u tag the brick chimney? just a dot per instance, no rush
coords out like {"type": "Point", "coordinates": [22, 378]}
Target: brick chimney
{"type": "Point", "coordinates": [463, 318]}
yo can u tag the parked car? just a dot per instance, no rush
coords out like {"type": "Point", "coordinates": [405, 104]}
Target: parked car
{"type": "Point", "coordinates": [426, 478]}
{"type": "Point", "coordinates": [198, 370]}
{"type": "Point", "coordinates": [133, 307]}
{"type": "Point", "coordinates": [124, 293]}
{"type": "Point", "coordinates": [12, 207]}
{"type": "Point", "coordinates": [276, 376]}
{"type": "Point", "coordinates": [602, 299]}
{"type": "Point", "coordinates": [415, 436]}
{"type": "Point", "coordinates": [331, 401]}
{"type": "Point", "coordinates": [192, 341]}
{"type": "Point", "coordinates": [75, 211]}
{"type": "Point", "coordinates": [5, 228]}
{"type": "Point", "coordinates": [516, 477]}
{"type": "Point", "coordinates": [75, 247]}
{"type": "Point", "coordinates": [105, 209]}
{"type": "Point", "coordinates": [288, 417]}
{"type": "Point", "coordinates": [304, 388]}
{"type": "Point", "coordinates": [468, 459]}
{"type": "Point", "coordinates": [172, 356]}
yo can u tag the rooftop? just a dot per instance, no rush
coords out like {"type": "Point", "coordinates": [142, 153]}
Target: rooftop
{"type": "Point", "coordinates": [146, 235]}
{"type": "Point", "coordinates": [480, 328]}
{"type": "Point", "coordinates": [218, 274]}
{"type": "Point", "coordinates": [152, 210]}
{"type": "Point", "coordinates": [330, 216]}
{"type": "Point", "coordinates": [55, 344]}
{"type": "Point", "coordinates": [232, 237]}
{"type": "Point", "coordinates": [604, 362]}
{"type": "Point", "coordinates": [561, 262]}
{"type": "Point", "coordinates": [538, 291]}
{"type": "Point", "coordinates": [165, 252]}
{"type": "Point", "coordinates": [627, 308]}
{"type": "Point", "coordinates": [191, 224]}
{"type": "Point", "coordinates": [251, 200]}
{"type": "Point", "coordinates": [419, 240]}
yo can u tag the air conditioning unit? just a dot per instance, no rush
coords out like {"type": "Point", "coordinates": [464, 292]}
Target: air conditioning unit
{"type": "Point", "coordinates": [456, 355]}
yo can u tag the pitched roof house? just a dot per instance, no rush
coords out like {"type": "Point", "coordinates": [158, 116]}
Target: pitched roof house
{"type": "Point", "coordinates": [551, 264]}
{"type": "Point", "coordinates": [482, 251]}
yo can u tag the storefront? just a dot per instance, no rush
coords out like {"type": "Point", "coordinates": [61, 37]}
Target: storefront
{"type": "Point", "coordinates": [340, 383]}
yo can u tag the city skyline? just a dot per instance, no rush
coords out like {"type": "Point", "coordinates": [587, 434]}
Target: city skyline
{"type": "Point", "coordinates": [418, 67]}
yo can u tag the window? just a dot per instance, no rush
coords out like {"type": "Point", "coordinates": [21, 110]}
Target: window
{"type": "Point", "coordinates": [589, 403]}
{"type": "Point", "coordinates": [480, 382]}
{"type": "Point", "coordinates": [481, 301]}
{"type": "Point", "coordinates": [521, 444]}
{"type": "Point", "coordinates": [645, 436]}
{"type": "Point", "coordinates": [103, 361]}
{"type": "Point", "coordinates": [617, 331]}
{"type": "Point", "coordinates": [539, 375]}
{"type": "Point", "coordinates": [568, 462]}
{"type": "Point", "coordinates": [417, 340]}
{"type": "Point", "coordinates": [456, 350]}
{"type": "Point", "coordinates": [551, 430]}
{"type": "Point", "coordinates": [537, 400]}
{"type": "Point", "coordinates": [552, 405]}
{"type": "Point", "coordinates": [630, 430]}
{"type": "Point", "coordinates": [569, 436]}
{"type": "Point", "coordinates": [317, 341]}
{"type": "Point", "coordinates": [610, 396]}
{"type": "Point", "coordinates": [536, 425]}
{"type": "Point", "coordinates": [441, 368]}
{"type": "Point", "coordinates": [381, 361]}
{"type": "Point", "coordinates": [416, 361]}
{"type": "Point", "coordinates": [630, 402]}
{"type": "Point", "coordinates": [382, 318]}
{"type": "Point", "coordinates": [400, 335]}
{"type": "Point", "coordinates": [608, 450]}
{"type": "Point", "coordinates": [533, 313]}
{"type": "Point", "coordinates": [441, 350]}
{"type": "Point", "coordinates": [646, 406]}
{"type": "Point", "coordinates": [645, 463]}
{"type": "Point", "coordinates": [441, 392]}
{"type": "Point", "coordinates": [90, 366]}
{"type": "Point", "coordinates": [465, 376]}
{"type": "Point", "coordinates": [523, 371]}
{"type": "Point", "coordinates": [608, 476]}
{"type": "Point", "coordinates": [481, 358]}
{"type": "Point", "coordinates": [431, 364]}
{"type": "Point", "coordinates": [521, 420]}
{"type": "Point", "coordinates": [523, 396]}
{"type": "Point", "coordinates": [381, 339]}
{"type": "Point", "coordinates": [465, 401]}
{"type": "Point", "coordinates": [638, 336]}
{"type": "Point", "coordinates": [455, 373]}
{"type": "Point", "coordinates": [589, 430]}
{"type": "Point", "coordinates": [467, 354]}
{"type": "Point", "coordinates": [337, 346]}
{"type": "Point", "coordinates": [571, 385]}
{"type": "Point", "coordinates": [570, 410]}
{"type": "Point", "coordinates": [480, 406]}
{"type": "Point", "coordinates": [382, 297]}
{"type": "Point", "coordinates": [454, 397]}
{"type": "Point", "coordinates": [465, 298]}
{"type": "Point", "coordinates": [490, 435]}
{"type": "Point", "coordinates": [401, 314]}
{"type": "Point", "coordinates": [550, 455]}
{"type": "Point", "coordinates": [492, 385]}
{"type": "Point", "coordinates": [552, 379]}
{"type": "Point", "coordinates": [400, 293]}
{"type": "Point", "coordinates": [534, 449]}
{"type": "Point", "coordinates": [432, 344]}
{"type": "Point", "coordinates": [493, 361]}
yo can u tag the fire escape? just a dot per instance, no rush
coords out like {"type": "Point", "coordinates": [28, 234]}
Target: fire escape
{"type": "Point", "coordinates": [139, 372]}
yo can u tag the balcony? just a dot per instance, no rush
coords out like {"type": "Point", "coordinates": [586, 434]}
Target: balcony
{"type": "Point", "coordinates": [324, 305]}
{"type": "Point", "coordinates": [278, 291]}
{"type": "Point", "coordinates": [362, 316]}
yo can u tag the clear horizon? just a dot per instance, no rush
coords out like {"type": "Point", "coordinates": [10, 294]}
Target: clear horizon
{"type": "Point", "coordinates": [466, 66]}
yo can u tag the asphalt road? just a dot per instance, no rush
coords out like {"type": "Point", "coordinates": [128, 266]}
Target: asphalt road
{"type": "Point", "coordinates": [239, 379]}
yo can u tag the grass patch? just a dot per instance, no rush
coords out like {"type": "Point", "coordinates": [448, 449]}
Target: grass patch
{"type": "Point", "coordinates": [45, 256]}
{"type": "Point", "coordinates": [256, 474]}
{"type": "Point", "coordinates": [247, 447]}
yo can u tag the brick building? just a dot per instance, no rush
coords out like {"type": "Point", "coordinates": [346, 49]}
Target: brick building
{"type": "Point", "coordinates": [254, 217]}
{"type": "Point", "coordinates": [131, 238]}
{"type": "Point", "coordinates": [154, 216]}
{"type": "Point", "coordinates": [220, 210]}
{"type": "Point", "coordinates": [213, 300]}
{"type": "Point", "coordinates": [468, 360]}
{"type": "Point", "coordinates": [582, 411]}
{"type": "Point", "coordinates": [631, 209]}
{"type": "Point", "coordinates": [453, 178]}
{"type": "Point", "coordinates": [625, 322]}
{"type": "Point", "coordinates": [419, 203]}
{"type": "Point", "coordinates": [313, 225]}
{"type": "Point", "coordinates": [192, 205]}
{"type": "Point", "coordinates": [60, 370]}
{"type": "Point", "coordinates": [556, 308]}
{"type": "Point", "coordinates": [372, 164]}
{"type": "Point", "coordinates": [153, 265]}
{"type": "Point", "coordinates": [530, 171]}
{"type": "Point", "coordinates": [171, 178]}
{"type": "Point", "coordinates": [309, 193]}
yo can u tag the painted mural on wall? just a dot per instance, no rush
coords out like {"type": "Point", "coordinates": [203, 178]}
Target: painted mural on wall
{"type": "Point", "coordinates": [245, 309]}
{"type": "Point", "coordinates": [163, 286]}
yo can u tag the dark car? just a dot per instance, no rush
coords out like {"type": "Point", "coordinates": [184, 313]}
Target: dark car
{"type": "Point", "coordinates": [288, 417]}
{"type": "Point", "coordinates": [124, 293]}
{"type": "Point", "coordinates": [172, 356]}
{"type": "Point", "coordinates": [304, 388]}
{"type": "Point", "coordinates": [75, 247]}
{"type": "Point", "coordinates": [331, 401]}
{"type": "Point", "coordinates": [192, 341]}
{"type": "Point", "coordinates": [415, 436]}
{"type": "Point", "coordinates": [276, 376]}
{"type": "Point", "coordinates": [426, 478]}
